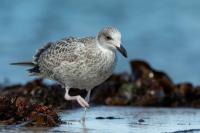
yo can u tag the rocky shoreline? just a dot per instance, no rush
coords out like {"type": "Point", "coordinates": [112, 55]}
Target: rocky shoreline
{"type": "Point", "coordinates": [35, 102]}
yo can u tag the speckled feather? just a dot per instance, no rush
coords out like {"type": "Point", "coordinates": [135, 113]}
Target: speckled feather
{"type": "Point", "coordinates": [74, 62]}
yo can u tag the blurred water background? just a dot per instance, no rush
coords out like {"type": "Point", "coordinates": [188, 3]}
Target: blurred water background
{"type": "Point", "coordinates": [165, 33]}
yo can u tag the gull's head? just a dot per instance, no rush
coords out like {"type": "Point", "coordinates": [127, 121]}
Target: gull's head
{"type": "Point", "coordinates": [110, 38]}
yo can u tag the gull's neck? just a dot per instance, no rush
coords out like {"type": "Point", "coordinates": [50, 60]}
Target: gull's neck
{"type": "Point", "coordinates": [105, 49]}
{"type": "Point", "coordinates": [108, 57]}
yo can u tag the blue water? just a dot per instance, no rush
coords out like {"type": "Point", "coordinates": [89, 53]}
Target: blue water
{"type": "Point", "coordinates": [165, 33]}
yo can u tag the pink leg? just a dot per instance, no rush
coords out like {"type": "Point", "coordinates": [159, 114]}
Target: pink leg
{"type": "Point", "coordinates": [78, 98]}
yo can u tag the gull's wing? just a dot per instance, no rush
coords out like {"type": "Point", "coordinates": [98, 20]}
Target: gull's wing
{"type": "Point", "coordinates": [53, 54]}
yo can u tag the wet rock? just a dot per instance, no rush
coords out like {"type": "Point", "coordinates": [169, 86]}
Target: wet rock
{"type": "Point", "coordinates": [15, 110]}
{"type": "Point", "coordinates": [38, 92]}
{"type": "Point", "coordinates": [141, 120]}
{"type": "Point", "coordinates": [117, 101]}
{"type": "Point", "coordinates": [110, 91]}
{"type": "Point", "coordinates": [152, 85]}
{"type": "Point", "coordinates": [145, 75]}
{"type": "Point", "coordinates": [108, 118]}
{"type": "Point", "coordinates": [100, 118]}
{"type": "Point", "coordinates": [100, 94]}
{"type": "Point", "coordinates": [155, 88]}
{"type": "Point", "coordinates": [184, 89]}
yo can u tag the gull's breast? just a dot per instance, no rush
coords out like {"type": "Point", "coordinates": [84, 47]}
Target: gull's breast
{"type": "Point", "coordinates": [97, 70]}
{"type": "Point", "coordinates": [89, 70]}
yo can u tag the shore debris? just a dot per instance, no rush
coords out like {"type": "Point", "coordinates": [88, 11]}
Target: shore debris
{"type": "Point", "coordinates": [17, 111]}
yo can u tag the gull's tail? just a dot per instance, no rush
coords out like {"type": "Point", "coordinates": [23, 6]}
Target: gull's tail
{"type": "Point", "coordinates": [28, 64]}
{"type": "Point", "coordinates": [34, 70]}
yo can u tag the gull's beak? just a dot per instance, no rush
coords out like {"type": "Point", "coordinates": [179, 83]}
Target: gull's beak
{"type": "Point", "coordinates": [122, 50]}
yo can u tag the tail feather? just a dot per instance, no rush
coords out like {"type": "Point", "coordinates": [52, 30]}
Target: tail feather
{"type": "Point", "coordinates": [34, 70]}
{"type": "Point", "coordinates": [29, 64]}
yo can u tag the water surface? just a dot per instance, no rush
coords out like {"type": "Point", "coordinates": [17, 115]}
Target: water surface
{"type": "Point", "coordinates": [156, 120]}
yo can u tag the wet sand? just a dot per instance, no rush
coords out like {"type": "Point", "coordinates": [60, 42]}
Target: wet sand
{"type": "Point", "coordinates": [129, 119]}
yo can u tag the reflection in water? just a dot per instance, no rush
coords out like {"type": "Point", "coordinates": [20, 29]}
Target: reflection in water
{"type": "Point", "coordinates": [85, 129]}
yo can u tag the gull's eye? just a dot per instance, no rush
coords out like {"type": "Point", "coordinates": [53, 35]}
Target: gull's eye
{"type": "Point", "coordinates": [108, 38]}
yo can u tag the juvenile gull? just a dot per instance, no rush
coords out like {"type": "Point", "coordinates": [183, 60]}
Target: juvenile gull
{"type": "Point", "coordinates": [78, 62]}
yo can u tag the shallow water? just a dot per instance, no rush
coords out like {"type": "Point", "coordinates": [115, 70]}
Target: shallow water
{"type": "Point", "coordinates": [156, 120]}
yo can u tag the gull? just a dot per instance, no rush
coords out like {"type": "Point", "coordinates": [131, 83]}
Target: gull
{"type": "Point", "coordinates": [78, 62]}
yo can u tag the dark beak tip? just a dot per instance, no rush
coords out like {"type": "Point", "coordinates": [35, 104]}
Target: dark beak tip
{"type": "Point", "coordinates": [126, 56]}
{"type": "Point", "coordinates": [123, 51]}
